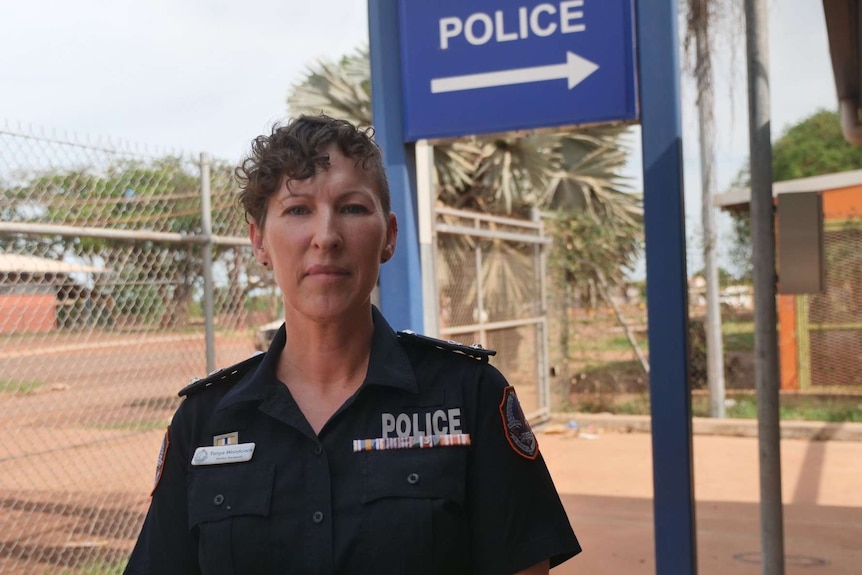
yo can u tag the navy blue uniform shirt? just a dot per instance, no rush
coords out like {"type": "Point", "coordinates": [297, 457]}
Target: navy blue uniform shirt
{"type": "Point", "coordinates": [324, 504]}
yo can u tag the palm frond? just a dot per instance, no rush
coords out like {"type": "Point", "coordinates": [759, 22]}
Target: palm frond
{"type": "Point", "coordinates": [514, 172]}
{"type": "Point", "coordinates": [576, 172]}
{"type": "Point", "coordinates": [341, 90]}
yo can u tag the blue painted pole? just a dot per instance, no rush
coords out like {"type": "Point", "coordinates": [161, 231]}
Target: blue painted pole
{"type": "Point", "coordinates": [667, 293]}
{"type": "Point", "coordinates": [401, 277]}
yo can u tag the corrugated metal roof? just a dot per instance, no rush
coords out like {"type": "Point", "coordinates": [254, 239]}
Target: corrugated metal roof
{"type": "Point", "coordinates": [16, 263]}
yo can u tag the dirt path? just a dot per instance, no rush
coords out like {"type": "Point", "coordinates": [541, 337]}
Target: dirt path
{"type": "Point", "coordinates": [76, 468]}
{"type": "Point", "coordinates": [606, 485]}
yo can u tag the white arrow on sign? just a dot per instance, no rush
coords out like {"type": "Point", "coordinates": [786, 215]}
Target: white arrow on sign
{"type": "Point", "coordinates": [576, 69]}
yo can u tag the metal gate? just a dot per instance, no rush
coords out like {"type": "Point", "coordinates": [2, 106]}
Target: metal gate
{"type": "Point", "coordinates": [491, 289]}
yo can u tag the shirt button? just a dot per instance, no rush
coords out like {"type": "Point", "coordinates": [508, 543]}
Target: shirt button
{"type": "Point", "coordinates": [218, 499]}
{"type": "Point", "coordinates": [317, 517]}
{"type": "Point", "coordinates": [413, 478]}
{"type": "Point", "coordinates": [318, 449]}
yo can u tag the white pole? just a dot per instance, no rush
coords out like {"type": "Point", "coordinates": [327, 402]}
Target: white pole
{"type": "Point", "coordinates": [425, 201]}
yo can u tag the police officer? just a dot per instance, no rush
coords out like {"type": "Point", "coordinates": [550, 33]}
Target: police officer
{"type": "Point", "coordinates": [345, 448]}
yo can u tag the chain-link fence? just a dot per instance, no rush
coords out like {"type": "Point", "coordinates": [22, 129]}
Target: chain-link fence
{"type": "Point", "coordinates": [491, 286]}
{"type": "Point", "coordinates": [124, 272]}
{"type": "Point", "coordinates": [117, 284]}
{"type": "Point", "coordinates": [829, 326]}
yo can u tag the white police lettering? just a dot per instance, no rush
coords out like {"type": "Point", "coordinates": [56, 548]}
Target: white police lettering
{"type": "Point", "coordinates": [541, 20]}
{"type": "Point", "coordinates": [438, 422]}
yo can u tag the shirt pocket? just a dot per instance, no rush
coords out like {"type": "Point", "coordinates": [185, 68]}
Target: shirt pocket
{"type": "Point", "coordinates": [414, 510]}
{"type": "Point", "coordinates": [415, 473]}
{"type": "Point", "coordinates": [229, 505]}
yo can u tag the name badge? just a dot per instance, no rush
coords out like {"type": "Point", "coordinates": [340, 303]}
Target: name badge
{"type": "Point", "coordinates": [223, 454]}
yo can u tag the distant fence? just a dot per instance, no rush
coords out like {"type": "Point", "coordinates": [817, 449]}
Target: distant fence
{"type": "Point", "coordinates": [123, 272]}
{"type": "Point", "coordinates": [828, 325]}
{"type": "Point", "coordinates": [126, 271]}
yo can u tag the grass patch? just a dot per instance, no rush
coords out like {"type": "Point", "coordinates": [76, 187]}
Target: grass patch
{"type": "Point", "coordinates": [746, 408]}
{"type": "Point", "coordinates": [131, 425]}
{"type": "Point", "coordinates": [19, 386]}
{"type": "Point", "coordinates": [98, 568]}
{"type": "Point", "coordinates": [636, 406]}
{"type": "Point", "coordinates": [738, 336]}
{"type": "Point", "coordinates": [837, 411]}
{"type": "Point", "coordinates": [618, 343]}
{"type": "Point", "coordinates": [622, 343]}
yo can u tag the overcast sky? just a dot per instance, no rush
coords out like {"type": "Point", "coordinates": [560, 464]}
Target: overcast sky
{"type": "Point", "coordinates": [209, 75]}
{"type": "Point", "coordinates": [199, 75]}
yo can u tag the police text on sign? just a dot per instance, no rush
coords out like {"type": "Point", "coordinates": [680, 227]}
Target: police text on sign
{"type": "Point", "coordinates": [542, 20]}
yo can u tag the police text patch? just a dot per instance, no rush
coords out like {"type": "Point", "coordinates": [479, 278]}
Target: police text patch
{"type": "Point", "coordinates": [518, 432]}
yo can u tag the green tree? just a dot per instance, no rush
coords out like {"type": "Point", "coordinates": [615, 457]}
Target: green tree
{"type": "Point", "coordinates": [812, 147]}
{"type": "Point", "coordinates": [148, 282]}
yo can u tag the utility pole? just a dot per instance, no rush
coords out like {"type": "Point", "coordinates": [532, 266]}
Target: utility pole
{"type": "Point", "coordinates": [765, 315]}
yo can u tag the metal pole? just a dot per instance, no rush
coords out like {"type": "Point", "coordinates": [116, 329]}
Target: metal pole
{"type": "Point", "coordinates": [425, 201]}
{"type": "Point", "coordinates": [765, 315]}
{"type": "Point", "coordinates": [667, 290]}
{"type": "Point", "coordinates": [206, 231]}
{"type": "Point", "coordinates": [543, 361]}
{"type": "Point", "coordinates": [480, 290]}
{"type": "Point", "coordinates": [401, 278]}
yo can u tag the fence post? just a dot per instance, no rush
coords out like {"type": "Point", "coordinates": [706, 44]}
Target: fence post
{"type": "Point", "coordinates": [540, 271]}
{"type": "Point", "coordinates": [426, 196]}
{"type": "Point", "coordinates": [206, 231]}
{"type": "Point", "coordinates": [480, 291]}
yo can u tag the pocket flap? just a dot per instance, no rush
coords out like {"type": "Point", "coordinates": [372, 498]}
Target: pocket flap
{"type": "Point", "coordinates": [224, 491]}
{"type": "Point", "coordinates": [414, 473]}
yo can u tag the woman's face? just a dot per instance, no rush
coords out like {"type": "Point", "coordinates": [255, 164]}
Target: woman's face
{"type": "Point", "coordinates": [325, 238]}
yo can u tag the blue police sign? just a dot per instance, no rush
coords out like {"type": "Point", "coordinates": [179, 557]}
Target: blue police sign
{"type": "Point", "coordinates": [474, 67]}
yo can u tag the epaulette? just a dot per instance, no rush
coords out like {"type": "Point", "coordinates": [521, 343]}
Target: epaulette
{"type": "Point", "coordinates": [475, 351]}
{"type": "Point", "coordinates": [227, 374]}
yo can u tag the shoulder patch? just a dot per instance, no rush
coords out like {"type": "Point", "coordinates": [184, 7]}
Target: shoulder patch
{"type": "Point", "coordinates": [160, 462]}
{"type": "Point", "coordinates": [475, 351]}
{"type": "Point", "coordinates": [518, 432]}
{"type": "Point", "coordinates": [228, 374]}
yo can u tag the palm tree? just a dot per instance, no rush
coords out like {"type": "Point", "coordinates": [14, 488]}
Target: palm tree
{"type": "Point", "coordinates": [705, 20]}
{"type": "Point", "coordinates": [575, 175]}
{"type": "Point", "coordinates": [567, 170]}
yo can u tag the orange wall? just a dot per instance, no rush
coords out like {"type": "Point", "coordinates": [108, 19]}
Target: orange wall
{"type": "Point", "coordinates": [842, 204]}
{"type": "Point", "coordinates": [22, 313]}
{"type": "Point", "coordinates": [787, 352]}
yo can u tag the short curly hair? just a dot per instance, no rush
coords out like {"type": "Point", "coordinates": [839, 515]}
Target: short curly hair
{"type": "Point", "coordinates": [297, 151]}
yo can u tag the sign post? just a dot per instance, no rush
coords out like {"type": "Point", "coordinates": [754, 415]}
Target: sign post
{"type": "Point", "coordinates": [401, 279]}
{"type": "Point", "coordinates": [667, 289]}
{"type": "Point", "coordinates": [449, 68]}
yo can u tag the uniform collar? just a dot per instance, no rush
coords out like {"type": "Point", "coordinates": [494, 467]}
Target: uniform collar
{"type": "Point", "coordinates": [388, 366]}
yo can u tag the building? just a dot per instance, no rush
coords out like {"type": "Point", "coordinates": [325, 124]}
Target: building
{"type": "Point", "coordinates": [30, 289]}
{"type": "Point", "coordinates": [820, 333]}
